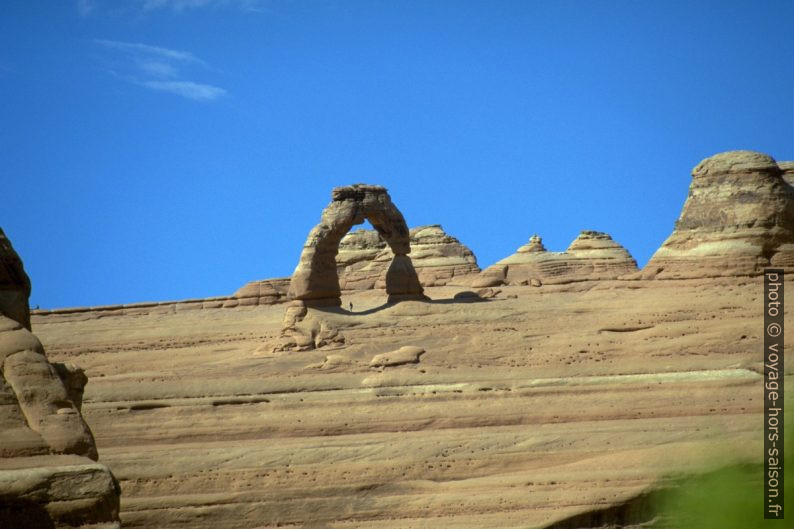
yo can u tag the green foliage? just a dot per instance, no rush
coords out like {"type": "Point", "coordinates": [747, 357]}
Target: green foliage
{"type": "Point", "coordinates": [730, 498]}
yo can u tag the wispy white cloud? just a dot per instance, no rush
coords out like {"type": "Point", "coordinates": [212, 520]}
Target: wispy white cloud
{"type": "Point", "coordinates": [137, 7]}
{"type": "Point", "coordinates": [136, 48]}
{"type": "Point", "coordinates": [188, 89]}
{"type": "Point", "coordinates": [161, 69]}
{"type": "Point", "coordinates": [183, 5]}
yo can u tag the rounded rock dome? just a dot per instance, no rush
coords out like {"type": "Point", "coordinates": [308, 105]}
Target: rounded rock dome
{"type": "Point", "coordinates": [735, 162]}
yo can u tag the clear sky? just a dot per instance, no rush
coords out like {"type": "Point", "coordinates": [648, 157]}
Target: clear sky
{"type": "Point", "coordinates": [168, 149]}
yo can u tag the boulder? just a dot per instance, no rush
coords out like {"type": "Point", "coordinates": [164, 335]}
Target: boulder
{"type": "Point", "coordinates": [408, 354]}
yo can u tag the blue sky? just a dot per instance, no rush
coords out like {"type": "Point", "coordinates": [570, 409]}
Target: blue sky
{"type": "Point", "coordinates": [168, 149]}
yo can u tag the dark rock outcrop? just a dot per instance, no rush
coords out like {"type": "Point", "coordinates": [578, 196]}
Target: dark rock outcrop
{"type": "Point", "coordinates": [14, 284]}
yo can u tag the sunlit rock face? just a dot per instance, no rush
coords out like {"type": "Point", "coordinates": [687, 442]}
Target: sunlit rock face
{"type": "Point", "coordinates": [48, 474]}
{"type": "Point", "coordinates": [592, 256]}
{"type": "Point", "coordinates": [262, 292]}
{"type": "Point", "coordinates": [737, 220]}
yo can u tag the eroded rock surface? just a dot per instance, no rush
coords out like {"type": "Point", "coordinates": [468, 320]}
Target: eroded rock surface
{"type": "Point", "coordinates": [407, 354]}
{"type": "Point", "coordinates": [737, 220]}
{"type": "Point", "coordinates": [263, 292]}
{"type": "Point", "coordinates": [592, 256]}
{"type": "Point", "coordinates": [788, 171]}
{"type": "Point", "coordinates": [40, 420]}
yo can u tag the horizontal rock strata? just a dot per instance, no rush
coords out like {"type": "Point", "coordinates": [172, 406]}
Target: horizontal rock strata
{"type": "Point", "coordinates": [524, 412]}
{"type": "Point", "coordinates": [592, 256]}
{"type": "Point", "coordinates": [264, 292]}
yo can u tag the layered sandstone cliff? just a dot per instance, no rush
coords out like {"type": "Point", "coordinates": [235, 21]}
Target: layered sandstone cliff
{"type": "Point", "coordinates": [48, 474]}
{"type": "Point", "coordinates": [553, 407]}
{"type": "Point", "coordinates": [544, 407]}
{"type": "Point", "coordinates": [737, 220]}
{"type": "Point", "coordinates": [592, 256]}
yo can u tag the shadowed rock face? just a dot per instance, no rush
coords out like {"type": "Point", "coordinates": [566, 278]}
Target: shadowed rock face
{"type": "Point", "coordinates": [437, 257]}
{"type": "Point", "coordinates": [46, 447]}
{"type": "Point", "coordinates": [737, 219]}
{"type": "Point", "coordinates": [788, 171]}
{"type": "Point", "coordinates": [592, 256]}
{"type": "Point", "coordinates": [315, 280]}
{"type": "Point", "coordinates": [14, 284]}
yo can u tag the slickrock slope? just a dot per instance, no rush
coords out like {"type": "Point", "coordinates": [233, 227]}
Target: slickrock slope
{"type": "Point", "coordinates": [437, 257]}
{"type": "Point", "coordinates": [48, 474]}
{"type": "Point", "coordinates": [737, 220]}
{"type": "Point", "coordinates": [592, 256]}
{"type": "Point", "coordinates": [562, 403]}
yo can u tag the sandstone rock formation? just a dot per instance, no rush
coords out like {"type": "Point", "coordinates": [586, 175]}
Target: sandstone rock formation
{"type": "Point", "coordinates": [437, 258]}
{"type": "Point", "coordinates": [560, 407]}
{"type": "Point", "coordinates": [315, 280]}
{"type": "Point", "coordinates": [592, 256]}
{"type": "Point", "coordinates": [407, 354]}
{"type": "Point", "coordinates": [263, 292]}
{"type": "Point", "coordinates": [788, 171]}
{"type": "Point", "coordinates": [737, 219]}
{"type": "Point", "coordinates": [302, 330]}
{"type": "Point", "coordinates": [47, 476]}
{"type": "Point", "coordinates": [14, 284]}
{"type": "Point", "coordinates": [364, 258]}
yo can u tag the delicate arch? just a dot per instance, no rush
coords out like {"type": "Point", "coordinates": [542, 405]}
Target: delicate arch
{"type": "Point", "coordinates": [315, 279]}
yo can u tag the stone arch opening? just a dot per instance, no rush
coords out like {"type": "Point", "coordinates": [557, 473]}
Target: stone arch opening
{"type": "Point", "coordinates": [315, 280]}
